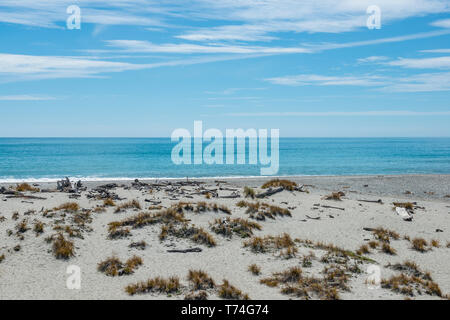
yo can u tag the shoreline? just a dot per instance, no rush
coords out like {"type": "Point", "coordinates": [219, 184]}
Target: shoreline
{"type": "Point", "coordinates": [407, 186]}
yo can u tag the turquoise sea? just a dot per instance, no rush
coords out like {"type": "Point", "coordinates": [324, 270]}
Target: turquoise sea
{"type": "Point", "coordinates": [98, 158]}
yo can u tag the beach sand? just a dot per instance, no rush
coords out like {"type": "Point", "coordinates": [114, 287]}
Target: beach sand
{"type": "Point", "coordinates": [33, 272]}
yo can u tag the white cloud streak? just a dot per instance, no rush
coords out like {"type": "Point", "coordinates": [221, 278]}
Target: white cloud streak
{"type": "Point", "coordinates": [391, 113]}
{"type": "Point", "coordinates": [26, 98]}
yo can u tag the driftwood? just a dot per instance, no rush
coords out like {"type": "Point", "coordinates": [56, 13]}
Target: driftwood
{"type": "Point", "coordinates": [331, 207]}
{"type": "Point", "coordinates": [269, 192]}
{"type": "Point", "coordinates": [317, 218]}
{"type": "Point", "coordinates": [185, 250]}
{"type": "Point", "coordinates": [25, 197]}
{"type": "Point", "coordinates": [233, 195]}
{"type": "Point", "coordinates": [371, 201]}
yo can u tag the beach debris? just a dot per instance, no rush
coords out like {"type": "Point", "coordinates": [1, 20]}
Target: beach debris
{"type": "Point", "coordinates": [403, 213]}
{"type": "Point", "coordinates": [313, 218]}
{"type": "Point", "coordinates": [153, 202]}
{"type": "Point", "coordinates": [185, 250]}
{"type": "Point", "coordinates": [104, 192]}
{"type": "Point", "coordinates": [20, 195]}
{"type": "Point", "coordinates": [63, 185]}
{"type": "Point", "coordinates": [439, 230]}
{"type": "Point", "coordinates": [269, 192]}
{"type": "Point", "coordinates": [233, 195]}
{"type": "Point", "coordinates": [371, 201]}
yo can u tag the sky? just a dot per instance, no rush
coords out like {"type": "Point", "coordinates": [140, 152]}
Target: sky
{"type": "Point", "coordinates": [144, 68]}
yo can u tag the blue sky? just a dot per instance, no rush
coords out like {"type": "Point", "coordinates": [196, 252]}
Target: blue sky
{"type": "Point", "coordinates": [144, 68]}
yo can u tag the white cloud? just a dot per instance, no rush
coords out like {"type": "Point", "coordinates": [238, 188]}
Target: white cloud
{"type": "Point", "coordinates": [425, 63]}
{"type": "Point", "coordinates": [425, 82]}
{"type": "Point", "coordinates": [436, 51]}
{"type": "Point", "coordinates": [372, 59]}
{"type": "Point", "coordinates": [185, 48]}
{"type": "Point", "coordinates": [26, 98]}
{"type": "Point", "coordinates": [442, 23]}
{"type": "Point", "coordinates": [46, 67]}
{"type": "Point", "coordinates": [391, 113]}
{"type": "Point", "coordinates": [320, 80]}
{"type": "Point", "coordinates": [246, 20]}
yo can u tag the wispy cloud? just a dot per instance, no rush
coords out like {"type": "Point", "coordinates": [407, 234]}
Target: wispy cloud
{"type": "Point", "coordinates": [391, 113]}
{"type": "Point", "coordinates": [423, 63]}
{"type": "Point", "coordinates": [185, 48]}
{"type": "Point", "coordinates": [436, 51]}
{"type": "Point", "coordinates": [320, 80]}
{"type": "Point", "coordinates": [26, 98]}
{"type": "Point", "coordinates": [52, 67]}
{"type": "Point", "coordinates": [442, 23]}
{"type": "Point", "coordinates": [426, 82]}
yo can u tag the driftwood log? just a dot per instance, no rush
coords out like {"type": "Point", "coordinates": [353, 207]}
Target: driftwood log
{"type": "Point", "coordinates": [185, 250]}
{"type": "Point", "coordinates": [269, 192]}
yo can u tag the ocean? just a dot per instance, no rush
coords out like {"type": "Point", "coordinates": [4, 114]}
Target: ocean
{"type": "Point", "coordinates": [48, 159]}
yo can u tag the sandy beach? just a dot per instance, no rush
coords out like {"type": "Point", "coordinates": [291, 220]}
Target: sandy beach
{"type": "Point", "coordinates": [329, 243]}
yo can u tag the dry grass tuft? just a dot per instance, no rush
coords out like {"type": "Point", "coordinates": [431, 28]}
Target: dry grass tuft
{"type": "Point", "coordinates": [22, 226]}
{"type": "Point", "coordinates": [68, 207]}
{"type": "Point", "coordinates": [241, 227]}
{"type": "Point", "coordinates": [406, 205]}
{"type": "Point", "coordinates": [133, 204]}
{"type": "Point", "coordinates": [336, 196]}
{"type": "Point", "coordinates": [109, 202]}
{"type": "Point", "coordinates": [62, 248]}
{"type": "Point", "coordinates": [197, 235]}
{"type": "Point", "coordinates": [411, 281]}
{"type": "Point", "coordinates": [202, 295]}
{"type": "Point", "coordinates": [26, 187]}
{"type": "Point", "coordinates": [114, 267]}
{"type": "Point", "coordinates": [200, 280]}
{"type": "Point", "coordinates": [249, 192]}
{"type": "Point", "coordinates": [385, 235]}
{"type": "Point", "coordinates": [2, 257]}
{"type": "Point", "coordinates": [364, 249]}
{"type": "Point", "coordinates": [38, 228]}
{"type": "Point", "coordinates": [419, 244]}
{"type": "Point", "coordinates": [287, 184]}
{"type": "Point", "coordinates": [140, 220]}
{"type": "Point", "coordinates": [292, 282]}
{"type": "Point", "coordinates": [261, 210]}
{"type": "Point", "coordinates": [139, 245]}
{"type": "Point", "coordinates": [386, 248]}
{"type": "Point", "coordinates": [227, 291]}
{"type": "Point", "coordinates": [435, 243]}
{"type": "Point", "coordinates": [157, 285]}
{"type": "Point", "coordinates": [254, 269]}
{"type": "Point", "coordinates": [15, 216]}
{"type": "Point", "coordinates": [272, 243]}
